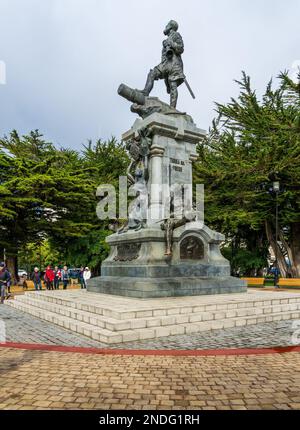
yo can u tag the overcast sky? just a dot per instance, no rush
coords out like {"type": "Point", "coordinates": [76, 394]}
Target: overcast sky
{"type": "Point", "coordinates": [66, 58]}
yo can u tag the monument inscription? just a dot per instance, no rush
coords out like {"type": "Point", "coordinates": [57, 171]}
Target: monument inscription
{"type": "Point", "coordinates": [128, 252]}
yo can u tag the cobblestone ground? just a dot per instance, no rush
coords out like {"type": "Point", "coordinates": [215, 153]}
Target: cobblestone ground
{"type": "Point", "coordinates": [32, 379]}
{"type": "Point", "coordinates": [55, 380]}
{"type": "Point", "coordinates": [23, 328]}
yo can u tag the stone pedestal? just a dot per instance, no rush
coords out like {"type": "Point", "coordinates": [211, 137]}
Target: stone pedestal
{"type": "Point", "coordinates": [137, 265]}
{"type": "Point", "coordinates": [172, 152]}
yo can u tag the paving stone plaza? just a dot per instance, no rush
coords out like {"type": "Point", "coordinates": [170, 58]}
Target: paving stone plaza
{"type": "Point", "coordinates": [248, 367]}
{"type": "Point", "coordinates": [53, 380]}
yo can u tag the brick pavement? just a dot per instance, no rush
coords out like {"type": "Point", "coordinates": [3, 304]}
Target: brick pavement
{"type": "Point", "coordinates": [59, 380]}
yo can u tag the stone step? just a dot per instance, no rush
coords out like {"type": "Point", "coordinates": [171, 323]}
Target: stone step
{"type": "Point", "coordinates": [108, 323]}
{"type": "Point", "coordinates": [94, 332]}
{"type": "Point", "coordinates": [151, 322]}
{"type": "Point", "coordinates": [240, 322]}
{"type": "Point", "coordinates": [125, 335]}
{"type": "Point", "coordinates": [117, 308]}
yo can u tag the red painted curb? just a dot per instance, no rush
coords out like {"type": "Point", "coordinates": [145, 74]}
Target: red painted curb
{"type": "Point", "coordinates": [167, 352]}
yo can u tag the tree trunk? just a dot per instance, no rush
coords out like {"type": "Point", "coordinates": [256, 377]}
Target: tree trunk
{"type": "Point", "coordinates": [12, 266]}
{"type": "Point", "coordinates": [291, 270]}
{"type": "Point", "coordinates": [256, 241]}
{"type": "Point", "coordinates": [260, 272]}
{"type": "Point", "coordinates": [295, 248]}
{"type": "Point", "coordinates": [282, 265]}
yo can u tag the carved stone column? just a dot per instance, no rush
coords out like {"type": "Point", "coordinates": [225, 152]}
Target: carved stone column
{"type": "Point", "coordinates": [156, 207]}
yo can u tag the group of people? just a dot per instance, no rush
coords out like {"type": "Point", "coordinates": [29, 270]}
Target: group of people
{"type": "Point", "coordinates": [53, 277]}
{"type": "Point", "coordinates": [5, 281]}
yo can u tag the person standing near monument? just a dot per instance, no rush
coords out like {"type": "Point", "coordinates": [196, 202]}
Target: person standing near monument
{"type": "Point", "coordinates": [49, 278]}
{"type": "Point", "coordinates": [8, 284]}
{"type": "Point", "coordinates": [86, 275]}
{"type": "Point", "coordinates": [4, 278]}
{"type": "Point", "coordinates": [57, 277]}
{"type": "Point", "coordinates": [81, 280]}
{"type": "Point", "coordinates": [171, 67]}
{"type": "Point", "coordinates": [65, 277]}
{"type": "Point", "coordinates": [36, 277]}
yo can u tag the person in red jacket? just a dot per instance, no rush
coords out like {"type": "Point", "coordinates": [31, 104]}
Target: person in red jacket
{"type": "Point", "coordinates": [49, 278]}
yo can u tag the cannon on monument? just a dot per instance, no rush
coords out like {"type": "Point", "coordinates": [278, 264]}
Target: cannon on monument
{"type": "Point", "coordinates": [132, 95]}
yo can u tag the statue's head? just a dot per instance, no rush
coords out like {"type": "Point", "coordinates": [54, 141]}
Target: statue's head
{"type": "Point", "coordinates": [172, 25]}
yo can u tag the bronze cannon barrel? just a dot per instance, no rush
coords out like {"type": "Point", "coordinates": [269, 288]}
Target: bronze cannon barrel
{"type": "Point", "coordinates": [134, 96]}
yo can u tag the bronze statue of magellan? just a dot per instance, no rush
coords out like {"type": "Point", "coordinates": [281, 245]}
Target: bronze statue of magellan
{"type": "Point", "coordinates": [171, 67]}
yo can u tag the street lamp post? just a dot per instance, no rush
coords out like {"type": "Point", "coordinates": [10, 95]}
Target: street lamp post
{"type": "Point", "coordinates": [276, 189]}
{"type": "Point", "coordinates": [40, 255]}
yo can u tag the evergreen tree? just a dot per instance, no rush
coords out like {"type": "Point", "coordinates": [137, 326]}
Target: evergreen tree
{"type": "Point", "coordinates": [51, 193]}
{"type": "Point", "coordinates": [100, 163]}
{"type": "Point", "coordinates": [250, 145]}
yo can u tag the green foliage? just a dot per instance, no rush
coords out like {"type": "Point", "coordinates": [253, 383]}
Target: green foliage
{"type": "Point", "coordinates": [243, 261]}
{"type": "Point", "coordinates": [50, 193]}
{"type": "Point", "coordinates": [37, 255]}
{"type": "Point", "coordinates": [251, 144]}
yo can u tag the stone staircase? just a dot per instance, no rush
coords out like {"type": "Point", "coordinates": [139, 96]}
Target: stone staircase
{"type": "Point", "coordinates": [113, 319]}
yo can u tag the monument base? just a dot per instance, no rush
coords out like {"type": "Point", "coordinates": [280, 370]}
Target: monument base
{"type": "Point", "coordinates": [165, 287]}
{"type": "Point", "coordinates": [138, 267]}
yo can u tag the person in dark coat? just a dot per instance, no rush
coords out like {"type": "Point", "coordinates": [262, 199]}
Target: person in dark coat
{"type": "Point", "coordinates": [36, 277]}
{"type": "Point", "coordinates": [4, 278]}
{"type": "Point", "coordinates": [57, 277]}
{"type": "Point", "coordinates": [65, 277]}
